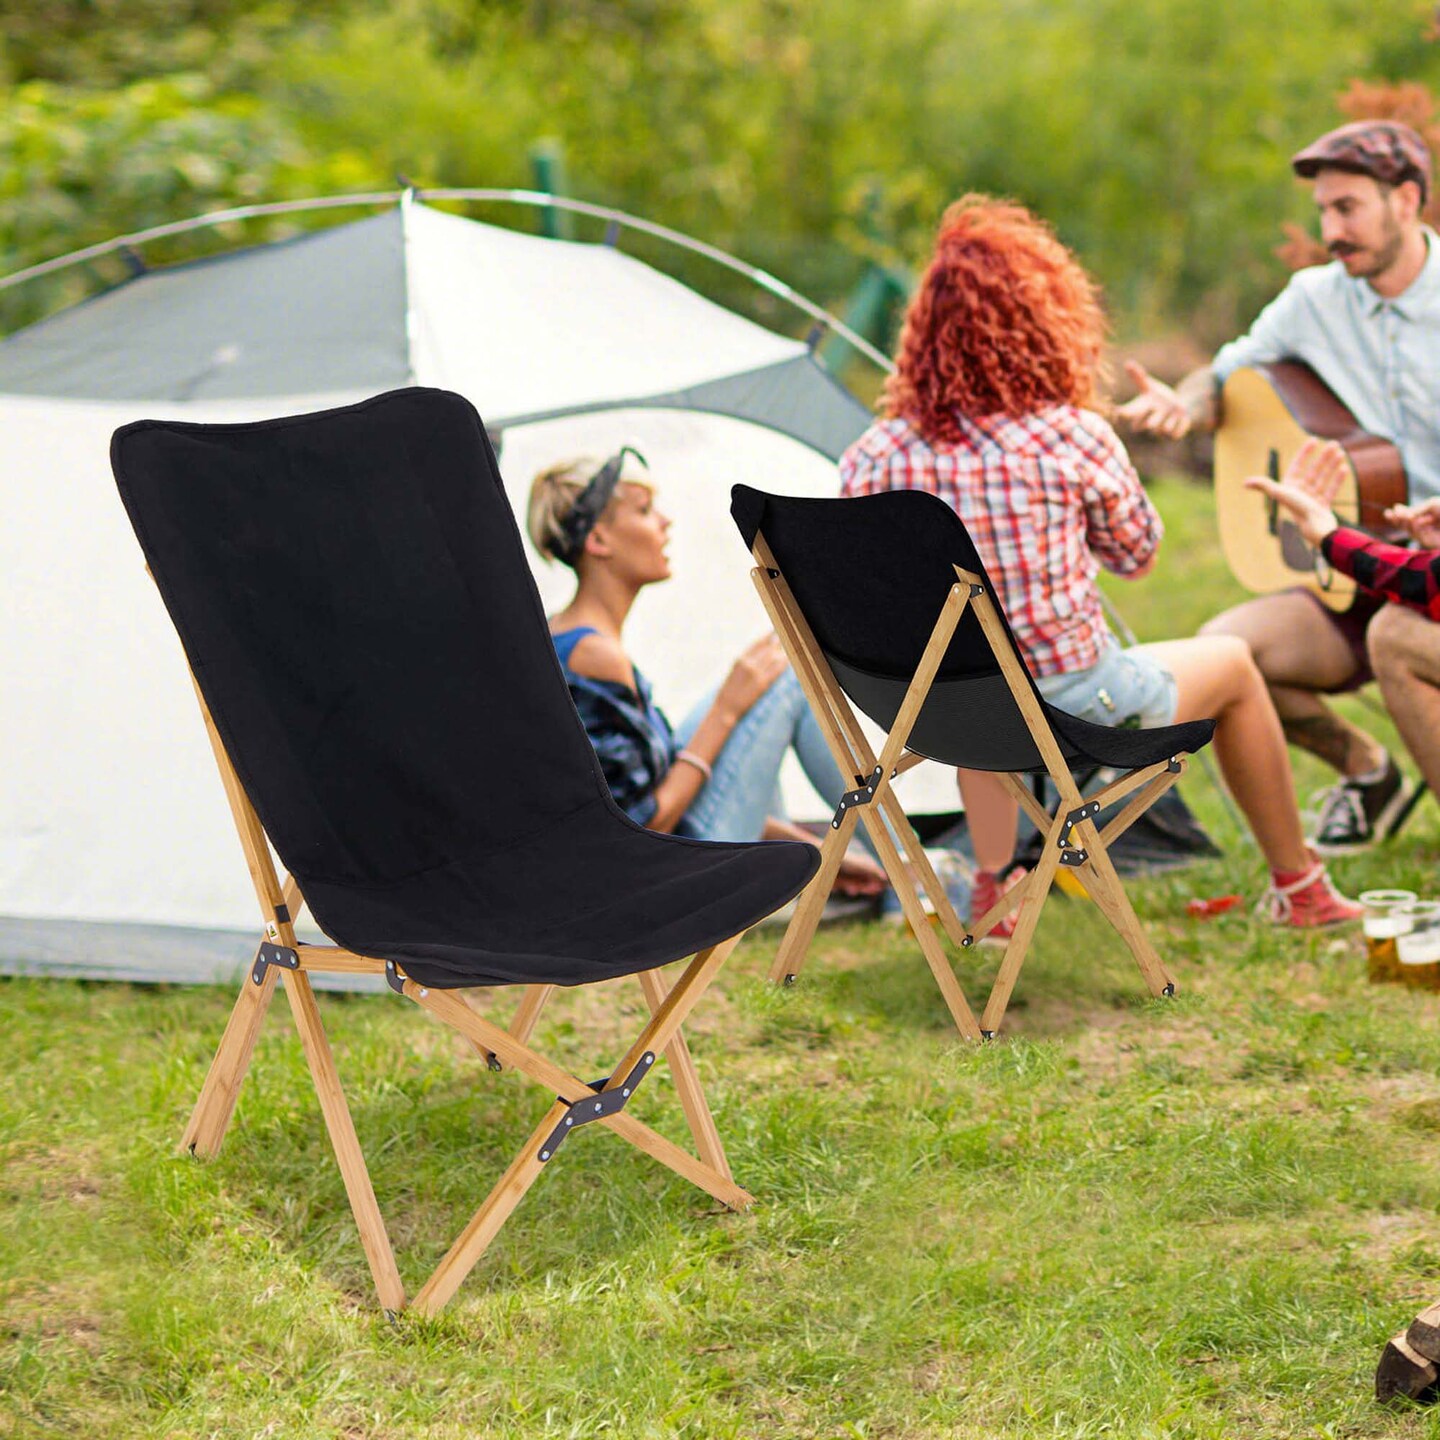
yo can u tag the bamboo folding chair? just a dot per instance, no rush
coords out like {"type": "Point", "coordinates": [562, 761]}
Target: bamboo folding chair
{"type": "Point", "coordinates": [379, 687]}
{"type": "Point", "coordinates": [884, 607]}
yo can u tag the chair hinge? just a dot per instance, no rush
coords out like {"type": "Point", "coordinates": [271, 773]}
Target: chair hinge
{"type": "Point", "coordinates": [861, 796]}
{"type": "Point", "coordinates": [1069, 854]}
{"type": "Point", "coordinates": [976, 590]}
{"type": "Point", "coordinates": [1174, 765]}
{"type": "Point", "coordinates": [604, 1102]}
{"type": "Point", "coordinates": [394, 977]}
{"type": "Point", "coordinates": [1074, 818]}
{"type": "Point", "coordinates": [268, 955]}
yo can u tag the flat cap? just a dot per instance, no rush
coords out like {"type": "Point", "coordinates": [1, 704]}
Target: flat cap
{"type": "Point", "coordinates": [1385, 150]}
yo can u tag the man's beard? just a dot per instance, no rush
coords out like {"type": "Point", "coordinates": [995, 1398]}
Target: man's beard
{"type": "Point", "coordinates": [1381, 258]}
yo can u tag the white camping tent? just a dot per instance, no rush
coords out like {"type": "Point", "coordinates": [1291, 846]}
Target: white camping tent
{"type": "Point", "coordinates": [116, 851]}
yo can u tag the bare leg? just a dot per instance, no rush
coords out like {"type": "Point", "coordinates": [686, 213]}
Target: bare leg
{"type": "Point", "coordinates": [991, 815]}
{"type": "Point", "coordinates": [1217, 676]}
{"type": "Point", "coordinates": [1405, 651]}
{"type": "Point", "coordinates": [1302, 656]}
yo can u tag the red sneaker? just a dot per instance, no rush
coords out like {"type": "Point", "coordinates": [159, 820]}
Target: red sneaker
{"type": "Point", "coordinates": [985, 895]}
{"type": "Point", "coordinates": [1306, 899]}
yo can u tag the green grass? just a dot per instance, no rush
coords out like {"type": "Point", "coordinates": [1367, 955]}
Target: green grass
{"type": "Point", "coordinates": [1192, 1218]}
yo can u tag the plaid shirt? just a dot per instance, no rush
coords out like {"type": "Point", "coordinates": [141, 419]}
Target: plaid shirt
{"type": "Point", "coordinates": [1048, 499]}
{"type": "Point", "coordinates": [1409, 577]}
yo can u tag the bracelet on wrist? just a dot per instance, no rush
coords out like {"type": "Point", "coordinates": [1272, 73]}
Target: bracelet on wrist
{"type": "Point", "coordinates": [689, 757]}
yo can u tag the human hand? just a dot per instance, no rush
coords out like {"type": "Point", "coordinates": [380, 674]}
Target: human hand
{"type": "Point", "coordinates": [1157, 409]}
{"type": "Point", "coordinates": [1422, 522]}
{"type": "Point", "coordinates": [1312, 480]}
{"type": "Point", "coordinates": [757, 669]}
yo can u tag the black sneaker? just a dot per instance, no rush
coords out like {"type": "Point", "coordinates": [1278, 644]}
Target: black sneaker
{"type": "Point", "coordinates": [1356, 814]}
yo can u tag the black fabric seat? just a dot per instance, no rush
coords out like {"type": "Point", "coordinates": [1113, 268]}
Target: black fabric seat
{"type": "Point", "coordinates": [356, 606]}
{"type": "Point", "coordinates": [870, 574]}
{"type": "Point", "coordinates": [528, 921]}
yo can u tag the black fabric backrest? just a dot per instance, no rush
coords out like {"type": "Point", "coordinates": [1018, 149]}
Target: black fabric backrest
{"type": "Point", "coordinates": [871, 574]}
{"type": "Point", "coordinates": [352, 594]}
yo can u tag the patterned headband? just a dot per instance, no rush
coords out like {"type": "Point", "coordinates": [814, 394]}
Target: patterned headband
{"type": "Point", "coordinates": [590, 504]}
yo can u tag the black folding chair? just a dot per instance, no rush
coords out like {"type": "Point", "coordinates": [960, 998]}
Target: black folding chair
{"type": "Point", "coordinates": [882, 603]}
{"type": "Point", "coordinates": [386, 709]}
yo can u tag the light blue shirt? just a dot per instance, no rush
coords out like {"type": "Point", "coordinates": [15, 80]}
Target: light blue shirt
{"type": "Point", "coordinates": [1380, 357]}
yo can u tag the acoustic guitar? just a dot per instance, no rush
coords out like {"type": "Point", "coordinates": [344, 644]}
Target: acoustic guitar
{"type": "Point", "coordinates": [1267, 412]}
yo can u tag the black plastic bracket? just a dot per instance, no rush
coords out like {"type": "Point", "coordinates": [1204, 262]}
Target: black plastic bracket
{"type": "Point", "coordinates": [1173, 765]}
{"type": "Point", "coordinates": [1074, 858]}
{"type": "Point", "coordinates": [268, 955]}
{"type": "Point", "coordinates": [1169, 989]}
{"type": "Point", "coordinates": [976, 590]}
{"type": "Point", "coordinates": [1074, 818]}
{"type": "Point", "coordinates": [604, 1102]}
{"type": "Point", "coordinates": [393, 978]}
{"type": "Point", "coordinates": [861, 796]}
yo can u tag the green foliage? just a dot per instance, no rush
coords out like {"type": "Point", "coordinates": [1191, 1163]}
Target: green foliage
{"type": "Point", "coordinates": [809, 136]}
{"type": "Point", "coordinates": [76, 165]}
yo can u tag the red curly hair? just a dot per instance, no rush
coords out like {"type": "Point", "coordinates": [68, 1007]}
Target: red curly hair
{"type": "Point", "coordinates": [1005, 321]}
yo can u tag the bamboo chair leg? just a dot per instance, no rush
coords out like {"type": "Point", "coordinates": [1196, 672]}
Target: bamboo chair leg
{"type": "Point", "coordinates": [687, 1083]}
{"type": "Point", "coordinates": [700, 1174]}
{"type": "Point", "coordinates": [347, 1146]}
{"type": "Point", "coordinates": [920, 865]}
{"type": "Point", "coordinates": [925, 936]}
{"type": "Point", "coordinates": [474, 1240]}
{"type": "Point", "coordinates": [1039, 884]}
{"type": "Point", "coordinates": [216, 1104]}
{"type": "Point", "coordinates": [532, 1002]}
{"type": "Point", "coordinates": [790, 957]}
{"type": "Point", "coordinates": [1105, 888]}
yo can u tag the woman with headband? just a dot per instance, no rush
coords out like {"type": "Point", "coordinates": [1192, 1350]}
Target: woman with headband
{"type": "Point", "coordinates": [715, 777]}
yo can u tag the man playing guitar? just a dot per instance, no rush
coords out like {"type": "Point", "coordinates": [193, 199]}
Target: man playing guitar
{"type": "Point", "coordinates": [1369, 325]}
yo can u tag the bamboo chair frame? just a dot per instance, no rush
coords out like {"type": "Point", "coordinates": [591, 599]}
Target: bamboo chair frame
{"type": "Point", "coordinates": [1072, 836]}
{"type": "Point", "coordinates": [669, 1005]}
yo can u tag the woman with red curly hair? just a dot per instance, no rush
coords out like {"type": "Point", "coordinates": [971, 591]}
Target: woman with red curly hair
{"type": "Point", "coordinates": [992, 407]}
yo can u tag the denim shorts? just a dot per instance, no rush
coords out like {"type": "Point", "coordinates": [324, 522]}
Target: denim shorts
{"type": "Point", "coordinates": [1123, 687]}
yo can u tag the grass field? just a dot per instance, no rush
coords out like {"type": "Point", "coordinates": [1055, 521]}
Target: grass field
{"type": "Point", "coordinates": [1195, 1218]}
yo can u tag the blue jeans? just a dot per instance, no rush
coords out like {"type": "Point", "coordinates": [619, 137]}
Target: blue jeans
{"type": "Point", "coordinates": [745, 786]}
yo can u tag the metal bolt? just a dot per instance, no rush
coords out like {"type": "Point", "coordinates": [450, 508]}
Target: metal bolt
{"type": "Point", "coordinates": [626, 1092]}
{"type": "Point", "coordinates": [569, 1120]}
{"type": "Point", "coordinates": [649, 1059]}
{"type": "Point", "coordinates": [544, 1154]}
{"type": "Point", "coordinates": [423, 993]}
{"type": "Point", "coordinates": [597, 1107]}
